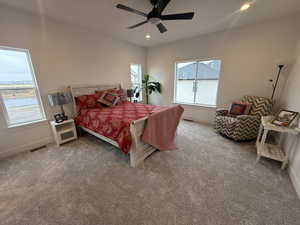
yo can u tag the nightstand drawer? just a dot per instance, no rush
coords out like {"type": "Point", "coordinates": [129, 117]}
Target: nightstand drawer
{"type": "Point", "coordinates": [65, 136]}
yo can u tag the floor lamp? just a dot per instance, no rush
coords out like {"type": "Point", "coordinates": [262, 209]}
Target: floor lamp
{"type": "Point", "coordinates": [280, 67]}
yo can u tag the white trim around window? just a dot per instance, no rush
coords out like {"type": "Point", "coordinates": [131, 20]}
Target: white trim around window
{"type": "Point", "coordinates": [194, 98]}
{"type": "Point", "coordinates": [9, 105]}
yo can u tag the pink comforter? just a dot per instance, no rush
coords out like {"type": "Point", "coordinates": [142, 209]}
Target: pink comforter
{"type": "Point", "coordinates": [161, 128]}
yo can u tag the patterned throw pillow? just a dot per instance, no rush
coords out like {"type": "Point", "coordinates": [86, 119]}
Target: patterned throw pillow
{"type": "Point", "coordinates": [87, 102]}
{"type": "Point", "coordinates": [239, 108]}
{"type": "Point", "coordinates": [109, 99]}
{"type": "Point", "coordinates": [100, 93]}
{"type": "Point", "coordinates": [119, 92]}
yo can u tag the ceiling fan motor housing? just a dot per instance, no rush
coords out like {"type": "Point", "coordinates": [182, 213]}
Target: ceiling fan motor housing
{"type": "Point", "coordinates": [153, 2]}
{"type": "Point", "coordinates": [155, 16]}
{"type": "Point", "coordinates": [154, 20]}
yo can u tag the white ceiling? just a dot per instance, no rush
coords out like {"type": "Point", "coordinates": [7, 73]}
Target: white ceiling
{"type": "Point", "coordinates": [211, 15]}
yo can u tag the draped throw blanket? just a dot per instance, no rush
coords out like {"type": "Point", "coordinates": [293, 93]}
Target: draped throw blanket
{"type": "Point", "coordinates": [161, 128]}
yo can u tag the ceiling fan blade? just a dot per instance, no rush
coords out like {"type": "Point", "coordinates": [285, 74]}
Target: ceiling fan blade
{"type": "Point", "coordinates": [137, 25]}
{"type": "Point", "coordinates": [126, 8]}
{"type": "Point", "coordinates": [179, 16]}
{"type": "Point", "coordinates": [161, 28]}
{"type": "Point", "coordinates": [161, 5]}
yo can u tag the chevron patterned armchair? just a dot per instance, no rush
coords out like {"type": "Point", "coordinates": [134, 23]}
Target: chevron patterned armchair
{"type": "Point", "coordinates": [244, 127]}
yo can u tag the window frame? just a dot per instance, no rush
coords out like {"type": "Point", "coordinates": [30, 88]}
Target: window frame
{"type": "Point", "coordinates": [141, 79]}
{"type": "Point", "coordinates": [175, 82]}
{"type": "Point", "coordinates": [35, 88]}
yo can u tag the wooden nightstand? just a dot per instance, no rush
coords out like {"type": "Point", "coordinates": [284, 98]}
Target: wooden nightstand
{"type": "Point", "coordinates": [64, 131]}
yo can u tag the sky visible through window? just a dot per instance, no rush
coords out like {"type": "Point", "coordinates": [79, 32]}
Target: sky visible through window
{"type": "Point", "coordinates": [14, 67]}
{"type": "Point", "coordinates": [182, 64]}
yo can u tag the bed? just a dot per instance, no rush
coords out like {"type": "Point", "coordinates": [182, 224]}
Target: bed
{"type": "Point", "coordinates": [128, 120]}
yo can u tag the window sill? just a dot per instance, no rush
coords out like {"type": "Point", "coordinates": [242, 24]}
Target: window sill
{"type": "Point", "coordinates": [197, 105]}
{"type": "Point", "coordinates": [27, 123]}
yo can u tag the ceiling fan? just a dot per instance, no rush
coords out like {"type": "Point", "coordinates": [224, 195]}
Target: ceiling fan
{"type": "Point", "coordinates": [155, 16]}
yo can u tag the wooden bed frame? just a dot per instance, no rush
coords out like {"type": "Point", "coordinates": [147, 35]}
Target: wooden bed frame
{"type": "Point", "coordinates": [139, 150]}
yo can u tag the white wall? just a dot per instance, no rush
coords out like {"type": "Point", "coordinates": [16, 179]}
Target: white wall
{"type": "Point", "coordinates": [291, 102]}
{"type": "Point", "coordinates": [249, 57]}
{"type": "Point", "coordinates": [62, 55]}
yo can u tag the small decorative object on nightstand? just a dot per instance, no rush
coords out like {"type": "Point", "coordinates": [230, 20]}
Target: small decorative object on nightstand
{"type": "Point", "coordinates": [285, 118]}
{"type": "Point", "coordinates": [64, 131]}
{"type": "Point", "coordinates": [272, 151]}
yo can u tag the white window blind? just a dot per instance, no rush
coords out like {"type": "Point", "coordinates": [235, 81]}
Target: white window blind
{"type": "Point", "coordinates": [19, 94]}
{"type": "Point", "coordinates": [197, 82]}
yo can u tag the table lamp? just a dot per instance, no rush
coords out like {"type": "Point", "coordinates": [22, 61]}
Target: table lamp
{"type": "Point", "coordinates": [60, 98]}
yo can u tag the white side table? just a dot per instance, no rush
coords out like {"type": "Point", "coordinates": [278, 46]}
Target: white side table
{"type": "Point", "coordinates": [272, 151]}
{"type": "Point", "coordinates": [64, 131]}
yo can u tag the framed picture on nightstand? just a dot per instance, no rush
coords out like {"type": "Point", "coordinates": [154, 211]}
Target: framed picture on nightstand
{"type": "Point", "coordinates": [284, 118]}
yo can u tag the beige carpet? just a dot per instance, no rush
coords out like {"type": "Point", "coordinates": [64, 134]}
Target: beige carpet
{"type": "Point", "coordinates": [210, 180]}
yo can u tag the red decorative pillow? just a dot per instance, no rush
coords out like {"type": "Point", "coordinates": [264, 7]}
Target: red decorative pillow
{"type": "Point", "coordinates": [86, 102]}
{"type": "Point", "coordinates": [239, 108]}
{"type": "Point", "coordinates": [109, 99]}
{"type": "Point", "coordinates": [121, 93]}
{"type": "Point", "coordinates": [100, 93]}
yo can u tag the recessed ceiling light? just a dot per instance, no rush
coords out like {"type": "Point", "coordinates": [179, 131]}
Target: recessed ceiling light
{"type": "Point", "coordinates": [245, 7]}
{"type": "Point", "coordinates": [148, 36]}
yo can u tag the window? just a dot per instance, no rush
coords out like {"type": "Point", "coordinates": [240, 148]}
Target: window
{"type": "Point", "coordinates": [19, 95]}
{"type": "Point", "coordinates": [136, 79]}
{"type": "Point", "coordinates": [196, 82]}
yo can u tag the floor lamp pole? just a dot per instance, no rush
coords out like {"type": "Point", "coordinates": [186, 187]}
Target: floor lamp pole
{"type": "Point", "coordinates": [277, 79]}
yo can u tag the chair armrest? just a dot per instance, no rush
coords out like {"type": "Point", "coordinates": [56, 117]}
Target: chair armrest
{"type": "Point", "coordinates": [221, 112]}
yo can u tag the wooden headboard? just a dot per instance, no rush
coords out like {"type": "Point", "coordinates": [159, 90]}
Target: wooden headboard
{"type": "Point", "coordinates": [79, 90]}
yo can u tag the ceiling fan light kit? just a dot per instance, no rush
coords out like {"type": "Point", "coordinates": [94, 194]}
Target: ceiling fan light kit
{"type": "Point", "coordinates": [155, 17]}
{"type": "Point", "coordinates": [245, 6]}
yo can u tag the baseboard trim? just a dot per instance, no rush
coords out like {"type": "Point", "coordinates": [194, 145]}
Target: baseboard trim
{"type": "Point", "coordinates": [189, 119]}
{"type": "Point", "coordinates": [26, 147]}
{"type": "Point", "coordinates": [295, 180]}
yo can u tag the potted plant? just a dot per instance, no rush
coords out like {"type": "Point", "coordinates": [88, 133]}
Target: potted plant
{"type": "Point", "coordinates": [150, 86]}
